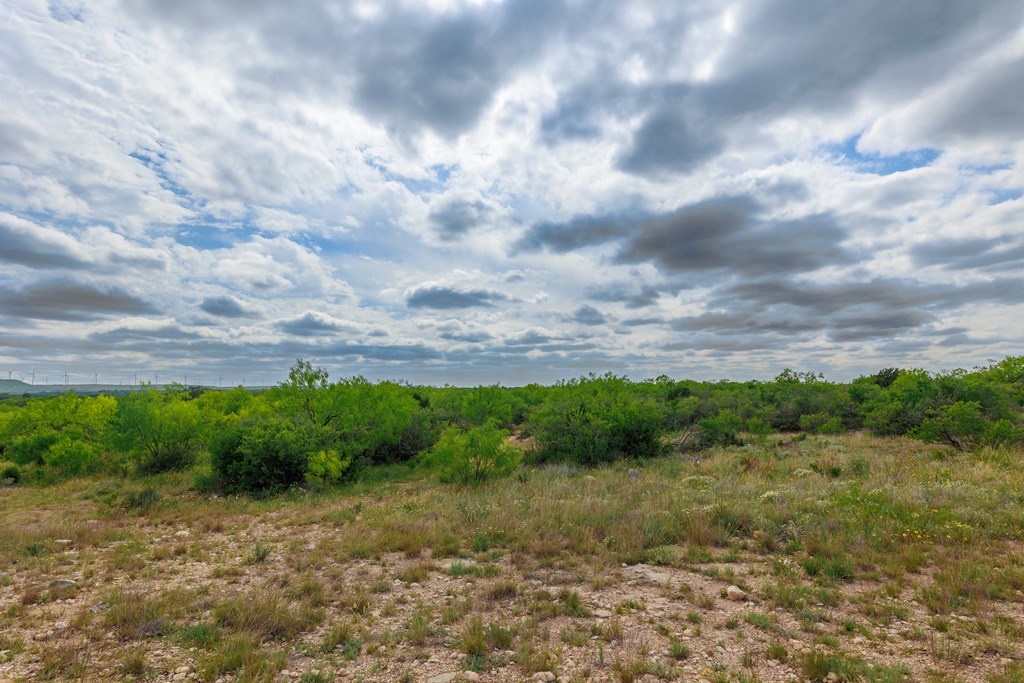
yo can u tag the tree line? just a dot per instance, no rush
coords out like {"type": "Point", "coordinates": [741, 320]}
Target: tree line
{"type": "Point", "coordinates": [314, 432]}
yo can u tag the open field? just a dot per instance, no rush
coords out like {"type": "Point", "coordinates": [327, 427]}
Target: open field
{"type": "Point", "coordinates": [860, 559]}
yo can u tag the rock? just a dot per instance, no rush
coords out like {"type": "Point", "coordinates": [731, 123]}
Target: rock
{"type": "Point", "coordinates": [470, 676]}
{"type": "Point", "coordinates": [382, 649]}
{"type": "Point", "coordinates": [832, 677]}
{"type": "Point", "coordinates": [602, 614]}
{"type": "Point", "coordinates": [63, 541]}
{"type": "Point", "coordinates": [734, 593]}
{"type": "Point", "coordinates": [543, 676]}
{"type": "Point", "coordinates": [443, 678]}
{"type": "Point", "coordinates": [183, 533]}
{"type": "Point", "coordinates": [60, 626]}
{"type": "Point", "coordinates": [62, 585]}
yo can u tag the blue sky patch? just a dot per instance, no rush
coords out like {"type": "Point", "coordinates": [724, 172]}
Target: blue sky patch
{"type": "Point", "coordinates": [880, 164]}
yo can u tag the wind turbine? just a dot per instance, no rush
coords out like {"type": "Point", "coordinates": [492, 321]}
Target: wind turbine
{"type": "Point", "coordinates": [95, 378]}
{"type": "Point", "coordinates": [33, 375]}
{"type": "Point", "coordinates": [65, 377]}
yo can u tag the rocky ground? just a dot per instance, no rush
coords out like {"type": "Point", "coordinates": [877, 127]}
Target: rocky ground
{"type": "Point", "coordinates": [151, 606]}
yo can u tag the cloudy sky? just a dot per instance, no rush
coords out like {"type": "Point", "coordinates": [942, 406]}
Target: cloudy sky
{"type": "Point", "coordinates": [475, 191]}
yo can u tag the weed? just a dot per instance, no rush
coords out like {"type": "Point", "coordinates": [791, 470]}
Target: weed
{"type": "Point", "coordinates": [201, 635]}
{"type": "Point", "coordinates": [267, 615]}
{"type": "Point", "coordinates": [777, 651]}
{"type": "Point", "coordinates": [342, 637]}
{"type": "Point", "coordinates": [678, 649]}
{"type": "Point", "coordinates": [259, 554]}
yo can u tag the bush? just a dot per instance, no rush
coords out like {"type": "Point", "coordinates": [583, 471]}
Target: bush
{"type": "Point", "coordinates": [960, 425]}
{"type": "Point", "coordinates": [326, 467]}
{"type": "Point", "coordinates": [263, 457]}
{"type": "Point", "coordinates": [31, 449]}
{"type": "Point", "coordinates": [162, 428]}
{"type": "Point", "coordinates": [472, 456]}
{"type": "Point", "coordinates": [596, 420]}
{"type": "Point", "coordinates": [141, 501]}
{"type": "Point", "coordinates": [720, 430]}
{"type": "Point", "coordinates": [70, 457]}
{"type": "Point", "coordinates": [821, 423]}
{"type": "Point", "coordinates": [10, 475]}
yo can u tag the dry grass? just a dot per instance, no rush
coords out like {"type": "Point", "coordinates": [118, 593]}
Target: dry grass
{"type": "Point", "coordinates": [855, 548]}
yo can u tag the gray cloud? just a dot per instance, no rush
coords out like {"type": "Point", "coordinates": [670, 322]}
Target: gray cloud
{"type": "Point", "coordinates": [69, 301]}
{"type": "Point", "coordinates": [437, 297]}
{"type": "Point", "coordinates": [1002, 253]}
{"type": "Point", "coordinates": [580, 232]}
{"type": "Point", "coordinates": [456, 217]}
{"type": "Point", "coordinates": [312, 324]}
{"type": "Point", "coordinates": [724, 233]}
{"type": "Point", "coordinates": [588, 315]}
{"type": "Point", "coordinates": [224, 307]}
{"type": "Point", "coordinates": [405, 66]}
{"type": "Point", "coordinates": [29, 245]}
{"type": "Point", "coordinates": [669, 142]}
{"type": "Point", "coordinates": [989, 107]}
{"type": "Point", "coordinates": [631, 294]}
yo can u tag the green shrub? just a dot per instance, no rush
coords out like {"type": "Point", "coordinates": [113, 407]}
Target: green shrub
{"type": "Point", "coordinates": [821, 423]}
{"type": "Point", "coordinates": [326, 467]}
{"type": "Point", "coordinates": [141, 501]}
{"type": "Point", "coordinates": [596, 420]}
{"type": "Point", "coordinates": [162, 428]}
{"type": "Point", "coordinates": [31, 449]}
{"type": "Point", "coordinates": [473, 455]}
{"type": "Point", "coordinates": [10, 475]}
{"type": "Point", "coordinates": [721, 430]}
{"type": "Point", "coordinates": [265, 457]}
{"type": "Point", "coordinates": [70, 456]}
{"type": "Point", "coordinates": [960, 425]}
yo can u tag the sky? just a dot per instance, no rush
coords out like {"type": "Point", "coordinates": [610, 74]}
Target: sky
{"type": "Point", "coordinates": [478, 192]}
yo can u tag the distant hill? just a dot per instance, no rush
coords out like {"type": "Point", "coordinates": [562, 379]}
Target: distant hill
{"type": "Point", "coordinates": [14, 387]}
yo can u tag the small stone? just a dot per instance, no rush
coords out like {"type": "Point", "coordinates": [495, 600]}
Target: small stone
{"type": "Point", "coordinates": [832, 677]}
{"type": "Point", "coordinates": [734, 593]}
{"type": "Point", "coordinates": [602, 614]}
{"type": "Point", "coordinates": [63, 541]}
{"type": "Point", "coordinates": [60, 626]}
{"type": "Point", "coordinates": [183, 533]}
{"type": "Point", "coordinates": [543, 676]}
{"type": "Point", "coordinates": [61, 585]}
{"type": "Point", "coordinates": [443, 678]}
{"type": "Point", "coordinates": [470, 676]}
{"type": "Point", "coordinates": [382, 649]}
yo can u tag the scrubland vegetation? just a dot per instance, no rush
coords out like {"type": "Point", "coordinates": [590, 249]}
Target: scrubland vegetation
{"type": "Point", "coordinates": [599, 529]}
